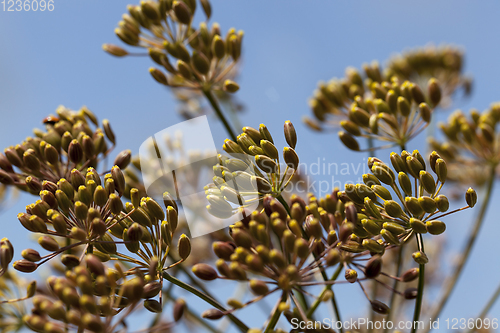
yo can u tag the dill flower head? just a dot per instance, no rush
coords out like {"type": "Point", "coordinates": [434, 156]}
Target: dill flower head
{"type": "Point", "coordinates": [471, 145]}
{"type": "Point", "coordinates": [444, 62]}
{"type": "Point", "coordinates": [91, 297]}
{"type": "Point", "coordinates": [72, 140]}
{"type": "Point", "coordinates": [389, 110]}
{"type": "Point", "coordinates": [252, 170]}
{"type": "Point", "coordinates": [281, 249]}
{"type": "Point", "coordinates": [195, 58]}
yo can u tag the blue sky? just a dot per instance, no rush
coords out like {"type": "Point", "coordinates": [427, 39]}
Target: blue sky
{"type": "Point", "coordinates": [53, 58]}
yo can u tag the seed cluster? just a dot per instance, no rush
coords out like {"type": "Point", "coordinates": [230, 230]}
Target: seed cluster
{"type": "Point", "coordinates": [471, 143]}
{"type": "Point", "coordinates": [204, 59]}
{"type": "Point", "coordinates": [253, 170]}
{"type": "Point", "coordinates": [390, 110]}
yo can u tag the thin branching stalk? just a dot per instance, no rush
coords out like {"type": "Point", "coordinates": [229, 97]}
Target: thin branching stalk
{"type": "Point", "coordinates": [215, 105]}
{"type": "Point", "coordinates": [452, 280]}
{"type": "Point", "coordinates": [421, 284]}
{"type": "Point", "coordinates": [243, 328]}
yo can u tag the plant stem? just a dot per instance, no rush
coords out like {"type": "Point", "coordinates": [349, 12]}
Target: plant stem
{"type": "Point", "coordinates": [395, 285]}
{"type": "Point", "coordinates": [276, 314]}
{"type": "Point", "coordinates": [213, 102]}
{"type": "Point", "coordinates": [317, 302]}
{"type": "Point", "coordinates": [421, 283]}
{"type": "Point", "coordinates": [206, 298]}
{"type": "Point", "coordinates": [452, 280]}
{"type": "Point", "coordinates": [488, 306]}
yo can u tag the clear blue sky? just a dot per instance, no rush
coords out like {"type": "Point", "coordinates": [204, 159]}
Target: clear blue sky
{"type": "Point", "coordinates": [53, 58]}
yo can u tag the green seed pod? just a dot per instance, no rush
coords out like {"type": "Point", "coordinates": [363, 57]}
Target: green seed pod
{"type": "Point", "coordinates": [383, 174]}
{"type": "Point", "coordinates": [25, 266]}
{"type": "Point", "coordinates": [184, 247]}
{"type": "Point", "coordinates": [350, 127]}
{"type": "Point", "coordinates": [151, 289]}
{"type": "Point", "coordinates": [277, 258]}
{"type": "Point", "coordinates": [413, 206]}
{"type": "Point", "coordinates": [434, 91]}
{"type": "Point", "coordinates": [182, 12]}
{"type": "Point", "coordinates": [67, 188]}
{"type": "Point", "coordinates": [77, 180]}
{"type": "Point", "coordinates": [441, 170]}
{"type": "Point", "coordinates": [370, 179]}
{"type": "Point", "coordinates": [107, 246]}
{"type": "Point", "coordinates": [259, 287]}
{"type": "Point", "coordinates": [333, 257]}
{"type": "Point", "coordinates": [382, 192]}
{"type": "Point", "coordinates": [427, 181]}
{"type": "Point", "coordinates": [212, 314]}
{"type": "Point", "coordinates": [389, 237]}
{"type": "Point", "coordinates": [410, 275]}
{"type": "Point", "coordinates": [359, 116]}
{"type": "Point", "coordinates": [428, 204]}
{"type": "Point", "coordinates": [442, 203]}
{"type": "Point", "coordinates": [351, 275]}
{"type": "Point", "coordinates": [223, 250]}
{"type": "Point", "coordinates": [48, 243]}
{"type": "Point", "coordinates": [348, 140]}
{"type": "Point", "coordinates": [371, 208]}
{"type": "Point", "coordinates": [200, 63]}
{"type": "Point", "coordinates": [218, 47]}
{"type": "Point", "coordinates": [115, 204]}
{"type": "Point", "coordinates": [290, 134]}
{"type": "Point", "coordinates": [291, 158]}
{"type": "Point", "coordinates": [393, 208]}
{"type": "Point", "coordinates": [179, 308]}
{"type": "Point", "coordinates": [379, 307]}
{"type": "Point", "coordinates": [435, 227]}
{"type": "Point", "coordinates": [395, 228]}
{"type": "Point", "coordinates": [70, 260]}
{"type": "Point", "coordinates": [31, 161]}
{"type": "Point", "coordinates": [269, 149]}
{"type": "Point", "coordinates": [471, 197]}
{"type": "Point", "coordinates": [373, 246]}
{"type": "Point", "coordinates": [155, 209]}
{"type": "Point", "coordinates": [78, 233]}
{"type": "Point", "coordinates": [418, 226]}
{"type": "Point", "coordinates": [404, 107]}
{"type": "Point", "coordinates": [204, 272]}
{"type": "Point", "coordinates": [231, 86]}
{"type": "Point", "coordinates": [371, 226]}
{"type": "Point", "coordinates": [425, 112]}
{"type": "Point", "coordinates": [266, 164]}
{"type": "Point", "coordinates": [301, 248]}
{"type": "Point", "coordinates": [134, 232]}
{"type": "Point", "coordinates": [405, 183]}
{"type": "Point", "coordinates": [88, 146]}
{"type": "Point", "coordinates": [100, 196]}
{"type": "Point", "coordinates": [420, 258]}
{"type": "Point", "coordinates": [373, 267]}
{"type": "Point", "coordinates": [114, 50]}
{"type": "Point", "coordinates": [158, 75]}
{"type": "Point", "coordinates": [132, 246]}
{"type": "Point", "coordinates": [414, 166]}
{"type": "Point", "coordinates": [84, 195]}
{"type": "Point", "coordinates": [29, 254]}
{"type": "Point", "coordinates": [75, 151]}
{"type": "Point", "coordinates": [398, 163]}
{"type": "Point", "coordinates": [81, 210]}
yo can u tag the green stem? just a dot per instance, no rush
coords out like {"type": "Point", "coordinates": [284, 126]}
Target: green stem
{"type": "Point", "coordinates": [488, 306]}
{"type": "Point", "coordinates": [90, 249]}
{"type": "Point", "coordinates": [421, 283]}
{"type": "Point", "coordinates": [206, 298]}
{"type": "Point", "coordinates": [213, 102]}
{"type": "Point", "coordinates": [276, 314]}
{"type": "Point", "coordinates": [317, 302]}
{"type": "Point", "coordinates": [452, 279]}
{"type": "Point", "coordinates": [395, 286]}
